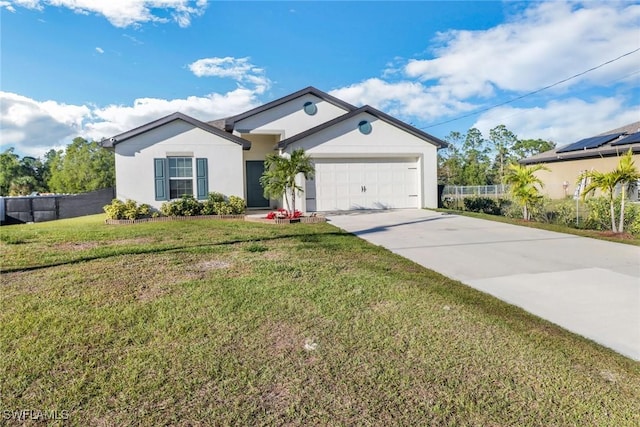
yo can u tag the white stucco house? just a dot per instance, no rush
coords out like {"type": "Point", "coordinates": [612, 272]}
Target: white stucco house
{"type": "Point", "coordinates": [364, 158]}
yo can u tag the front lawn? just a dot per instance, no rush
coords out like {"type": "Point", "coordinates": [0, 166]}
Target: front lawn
{"type": "Point", "coordinates": [233, 323]}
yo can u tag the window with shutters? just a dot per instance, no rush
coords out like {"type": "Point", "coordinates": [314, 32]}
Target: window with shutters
{"type": "Point", "coordinates": [180, 177]}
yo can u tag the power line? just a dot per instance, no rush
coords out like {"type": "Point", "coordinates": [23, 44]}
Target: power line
{"type": "Point", "coordinates": [531, 93]}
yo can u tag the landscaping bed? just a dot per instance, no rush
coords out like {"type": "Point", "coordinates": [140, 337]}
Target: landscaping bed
{"type": "Point", "coordinates": [170, 218]}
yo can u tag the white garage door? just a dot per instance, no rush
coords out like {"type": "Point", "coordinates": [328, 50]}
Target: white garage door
{"type": "Point", "coordinates": [350, 184]}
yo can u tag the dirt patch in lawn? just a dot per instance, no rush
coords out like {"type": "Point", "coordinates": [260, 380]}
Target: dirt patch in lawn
{"type": "Point", "coordinates": [621, 236]}
{"type": "Point", "coordinates": [80, 246]}
{"type": "Point", "coordinates": [282, 337]}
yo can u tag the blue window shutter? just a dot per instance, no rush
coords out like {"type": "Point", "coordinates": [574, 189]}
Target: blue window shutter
{"type": "Point", "coordinates": [161, 177]}
{"type": "Point", "coordinates": [202, 178]}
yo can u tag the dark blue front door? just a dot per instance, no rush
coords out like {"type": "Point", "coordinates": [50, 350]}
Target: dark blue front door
{"type": "Point", "coordinates": [255, 197]}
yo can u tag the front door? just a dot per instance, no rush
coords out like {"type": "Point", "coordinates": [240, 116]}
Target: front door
{"type": "Point", "coordinates": [255, 198]}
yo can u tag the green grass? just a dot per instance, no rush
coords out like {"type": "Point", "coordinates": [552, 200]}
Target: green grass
{"type": "Point", "coordinates": [234, 323]}
{"type": "Point", "coordinates": [594, 234]}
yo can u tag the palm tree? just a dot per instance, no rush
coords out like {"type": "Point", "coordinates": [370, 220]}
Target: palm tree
{"type": "Point", "coordinates": [606, 183]}
{"type": "Point", "coordinates": [523, 180]}
{"type": "Point", "coordinates": [627, 175]}
{"type": "Point", "coordinates": [281, 172]}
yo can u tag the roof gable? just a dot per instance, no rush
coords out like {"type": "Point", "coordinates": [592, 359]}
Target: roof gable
{"type": "Point", "coordinates": [374, 112]}
{"type": "Point", "coordinates": [231, 121]}
{"type": "Point", "coordinates": [111, 142]}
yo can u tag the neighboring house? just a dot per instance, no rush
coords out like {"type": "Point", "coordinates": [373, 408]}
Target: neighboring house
{"type": "Point", "coordinates": [364, 158]}
{"type": "Point", "coordinates": [599, 153]}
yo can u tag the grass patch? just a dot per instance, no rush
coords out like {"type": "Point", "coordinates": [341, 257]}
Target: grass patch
{"type": "Point", "coordinates": [628, 239]}
{"type": "Point", "coordinates": [184, 323]}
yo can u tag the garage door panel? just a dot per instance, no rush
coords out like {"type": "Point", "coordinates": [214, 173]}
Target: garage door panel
{"type": "Point", "coordinates": [349, 184]}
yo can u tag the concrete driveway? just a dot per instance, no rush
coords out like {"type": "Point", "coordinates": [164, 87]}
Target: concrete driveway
{"type": "Point", "coordinates": [590, 287]}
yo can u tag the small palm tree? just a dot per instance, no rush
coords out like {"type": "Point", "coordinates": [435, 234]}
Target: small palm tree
{"type": "Point", "coordinates": [606, 183]}
{"type": "Point", "coordinates": [627, 175]}
{"type": "Point", "coordinates": [522, 181]}
{"type": "Point", "coordinates": [279, 177]}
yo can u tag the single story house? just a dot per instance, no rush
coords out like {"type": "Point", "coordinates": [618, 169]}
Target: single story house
{"type": "Point", "coordinates": [364, 158]}
{"type": "Point", "coordinates": [600, 152]}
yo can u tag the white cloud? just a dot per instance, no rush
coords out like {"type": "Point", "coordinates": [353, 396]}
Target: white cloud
{"type": "Point", "coordinates": [7, 5]}
{"type": "Point", "coordinates": [548, 42]}
{"type": "Point", "coordinates": [99, 50]}
{"type": "Point", "coordinates": [33, 127]}
{"type": "Point", "coordinates": [123, 13]}
{"type": "Point", "coordinates": [544, 44]}
{"type": "Point", "coordinates": [562, 121]}
{"type": "Point", "coordinates": [405, 98]}
{"type": "Point", "coordinates": [239, 69]}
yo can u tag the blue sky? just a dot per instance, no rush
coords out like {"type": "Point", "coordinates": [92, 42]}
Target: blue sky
{"type": "Point", "coordinates": [98, 68]}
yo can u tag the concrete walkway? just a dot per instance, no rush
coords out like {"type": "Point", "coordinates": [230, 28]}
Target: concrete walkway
{"type": "Point", "coordinates": [588, 286]}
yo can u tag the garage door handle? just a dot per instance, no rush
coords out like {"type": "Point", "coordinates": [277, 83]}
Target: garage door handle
{"type": "Point", "coordinates": [363, 188]}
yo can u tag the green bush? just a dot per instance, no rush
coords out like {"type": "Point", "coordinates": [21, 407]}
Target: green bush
{"type": "Point", "coordinates": [187, 205]}
{"type": "Point", "coordinates": [115, 210]}
{"type": "Point", "coordinates": [564, 212]}
{"type": "Point", "coordinates": [216, 204]}
{"type": "Point", "coordinates": [598, 215]}
{"type": "Point", "coordinates": [487, 205]}
{"type": "Point", "coordinates": [127, 210]}
{"type": "Point", "coordinates": [222, 208]}
{"type": "Point", "coordinates": [237, 204]}
{"type": "Point", "coordinates": [209, 205]}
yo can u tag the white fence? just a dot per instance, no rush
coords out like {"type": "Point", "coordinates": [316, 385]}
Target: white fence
{"type": "Point", "coordinates": [462, 191]}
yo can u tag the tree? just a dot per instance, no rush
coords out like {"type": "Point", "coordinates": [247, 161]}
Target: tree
{"type": "Point", "coordinates": [606, 183]}
{"type": "Point", "coordinates": [279, 177]}
{"type": "Point", "coordinates": [503, 141]}
{"type": "Point", "coordinates": [523, 180]}
{"type": "Point", "coordinates": [475, 158]}
{"type": "Point", "coordinates": [9, 170]}
{"type": "Point", "coordinates": [450, 162]}
{"type": "Point", "coordinates": [627, 175]}
{"type": "Point", "coordinates": [83, 166]}
{"type": "Point", "coordinates": [529, 147]}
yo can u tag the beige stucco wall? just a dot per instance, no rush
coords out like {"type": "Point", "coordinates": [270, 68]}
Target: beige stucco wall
{"type": "Point", "coordinates": [261, 145]}
{"type": "Point", "coordinates": [570, 170]}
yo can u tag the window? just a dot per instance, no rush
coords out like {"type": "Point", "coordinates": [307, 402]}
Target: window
{"type": "Point", "coordinates": [310, 108]}
{"type": "Point", "coordinates": [174, 177]}
{"type": "Point", "coordinates": [365, 127]}
{"type": "Point", "coordinates": [180, 177]}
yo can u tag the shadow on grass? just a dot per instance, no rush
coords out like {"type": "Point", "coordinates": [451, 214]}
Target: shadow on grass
{"type": "Point", "coordinates": [168, 249]}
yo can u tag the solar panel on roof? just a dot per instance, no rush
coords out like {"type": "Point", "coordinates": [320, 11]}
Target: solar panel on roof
{"type": "Point", "coordinates": [630, 139]}
{"type": "Point", "coordinates": [587, 143]}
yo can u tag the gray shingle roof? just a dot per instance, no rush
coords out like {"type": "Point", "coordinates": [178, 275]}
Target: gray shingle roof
{"type": "Point", "coordinates": [111, 142]}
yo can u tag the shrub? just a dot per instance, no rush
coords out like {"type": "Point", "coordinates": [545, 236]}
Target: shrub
{"type": "Point", "coordinates": [598, 215]}
{"type": "Point", "coordinates": [187, 205]}
{"type": "Point", "coordinates": [115, 210]}
{"type": "Point", "coordinates": [486, 205]}
{"type": "Point", "coordinates": [237, 205]}
{"type": "Point", "coordinates": [127, 210]}
{"type": "Point", "coordinates": [564, 213]}
{"type": "Point", "coordinates": [222, 208]}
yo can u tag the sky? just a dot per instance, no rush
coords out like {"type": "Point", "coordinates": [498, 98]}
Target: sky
{"type": "Point", "coordinates": [95, 68]}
